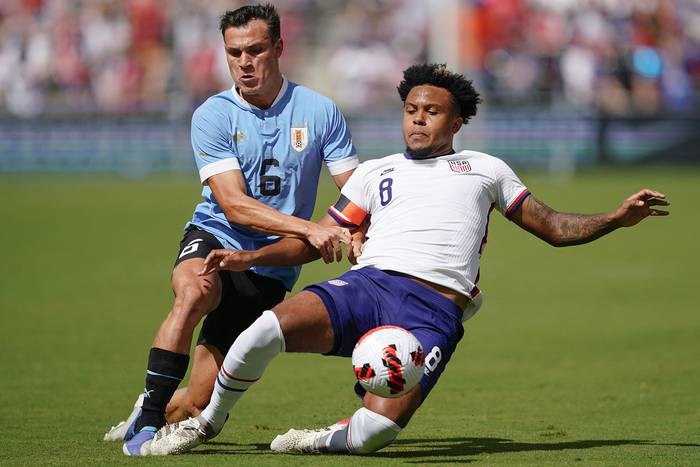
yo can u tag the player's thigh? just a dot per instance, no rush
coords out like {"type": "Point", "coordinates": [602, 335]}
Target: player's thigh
{"type": "Point", "coordinates": [305, 323]}
{"type": "Point", "coordinates": [398, 409]}
{"type": "Point", "coordinates": [195, 294]}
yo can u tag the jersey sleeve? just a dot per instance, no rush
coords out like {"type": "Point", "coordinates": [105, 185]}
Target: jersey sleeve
{"type": "Point", "coordinates": [211, 143]}
{"type": "Point", "coordinates": [509, 191]}
{"type": "Point", "coordinates": [352, 207]}
{"type": "Point", "coordinates": [338, 151]}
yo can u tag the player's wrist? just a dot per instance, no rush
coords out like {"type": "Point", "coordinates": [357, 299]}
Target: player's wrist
{"type": "Point", "coordinates": [308, 230]}
{"type": "Point", "coordinates": [254, 257]}
{"type": "Point", "coordinates": [613, 221]}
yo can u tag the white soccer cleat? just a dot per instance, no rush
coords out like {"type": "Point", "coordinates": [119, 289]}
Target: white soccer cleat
{"type": "Point", "coordinates": [180, 437]}
{"type": "Point", "coordinates": [117, 432]}
{"type": "Point", "coordinates": [305, 441]}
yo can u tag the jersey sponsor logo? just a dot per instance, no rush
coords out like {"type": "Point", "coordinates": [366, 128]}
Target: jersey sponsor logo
{"type": "Point", "coordinates": [337, 282]}
{"type": "Point", "coordinates": [300, 138]}
{"type": "Point", "coordinates": [461, 167]}
{"type": "Point", "coordinates": [386, 171]}
{"type": "Point", "coordinates": [238, 137]}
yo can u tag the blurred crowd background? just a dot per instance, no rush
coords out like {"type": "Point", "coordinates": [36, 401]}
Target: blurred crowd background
{"type": "Point", "coordinates": [110, 85]}
{"type": "Point", "coordinates": [131, 56]}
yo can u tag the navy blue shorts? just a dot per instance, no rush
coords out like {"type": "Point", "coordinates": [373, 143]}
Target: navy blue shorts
{"type": "Point", "coordinates": [363, 299]}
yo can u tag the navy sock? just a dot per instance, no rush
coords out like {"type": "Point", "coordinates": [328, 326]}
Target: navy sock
{"type": "Point", "coordinates": [165, 371]}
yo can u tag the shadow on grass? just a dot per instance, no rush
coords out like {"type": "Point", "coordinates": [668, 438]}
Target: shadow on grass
{"type": "Point", "coordinates": [457, 447]}
{"type": "Point", "coordinates": [452, 447]}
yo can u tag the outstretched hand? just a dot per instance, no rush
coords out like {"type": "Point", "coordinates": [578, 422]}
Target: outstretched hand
{"type": "Point", "coordinates": [639, 206]}
{"type": "Point", "coordinates": [232, 260]}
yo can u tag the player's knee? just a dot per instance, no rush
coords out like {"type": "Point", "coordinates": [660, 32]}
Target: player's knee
{"type": "Point", "coordinates": [264, 335]}
{"type": "Point", "coordinates": [194, 300]}
{"type": "Point", "coordinates": [369, 432]}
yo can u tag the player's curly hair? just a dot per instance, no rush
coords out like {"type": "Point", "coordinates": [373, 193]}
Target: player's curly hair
{"type": "Point", "coordinates": [245, 14]}
{"type": "Point", "coordinates": [463, 93]}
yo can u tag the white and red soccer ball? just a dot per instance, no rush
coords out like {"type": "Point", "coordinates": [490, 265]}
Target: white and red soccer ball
{"type": "Point", "coordinates": [388, 361]}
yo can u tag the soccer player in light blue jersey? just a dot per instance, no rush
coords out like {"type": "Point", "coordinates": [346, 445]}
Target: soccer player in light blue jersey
{"type": "Point", "coordinates": [259, 147]}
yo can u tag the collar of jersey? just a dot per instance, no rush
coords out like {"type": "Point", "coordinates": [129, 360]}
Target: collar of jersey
{"type": "Point", "coordinates": [408, 155]}
{"type": "Point", "coordinates": [247, 105]}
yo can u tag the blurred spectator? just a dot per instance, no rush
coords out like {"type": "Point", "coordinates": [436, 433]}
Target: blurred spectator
{"type": "Point", "coordinates": [620, 56]}
{"type": "Point", "coordinates": [114, 56]}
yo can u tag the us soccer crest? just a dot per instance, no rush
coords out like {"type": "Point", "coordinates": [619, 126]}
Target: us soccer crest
{"type": "Point", "coordinates": [300, 138]}
{"type": "Point", "coordinates": [461, 167]}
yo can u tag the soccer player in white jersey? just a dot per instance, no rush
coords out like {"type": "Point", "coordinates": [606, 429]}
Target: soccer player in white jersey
{"type": "Point", "coordinates": [259, 147]}
{"type": "Point", "coordinates": [418, 269]}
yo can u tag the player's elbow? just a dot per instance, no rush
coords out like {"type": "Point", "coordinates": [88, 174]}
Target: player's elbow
{"type": "Point", "coordinates": [560, 241]}
{"type": "Point", "coordinates": [553, 238]}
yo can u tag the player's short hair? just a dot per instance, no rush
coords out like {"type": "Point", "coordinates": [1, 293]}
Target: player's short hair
{"type": "Point", "coordinates": [245, 14]}
{"type": "Point", "coordinates": [463, 93]}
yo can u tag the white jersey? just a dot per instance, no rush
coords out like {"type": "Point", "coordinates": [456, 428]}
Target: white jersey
{"type": "Point", "coordinates": [429, 216]}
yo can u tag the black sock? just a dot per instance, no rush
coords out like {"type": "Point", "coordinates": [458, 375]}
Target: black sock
{"type": "Point", "coordinates": [165, 371]}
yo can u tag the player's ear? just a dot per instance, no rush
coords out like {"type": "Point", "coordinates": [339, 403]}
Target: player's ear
{"type": "Point", "coordinates": [279, 47]}
{"type": "Point", "coordinates": [457, 124]}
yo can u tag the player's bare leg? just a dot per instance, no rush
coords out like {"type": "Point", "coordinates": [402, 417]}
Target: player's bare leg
{"type": "Point", "coordinates": [191, 400]}
{"type": "Point", "coordinates": [168, 359]}
{"type": "Point", "coordinates": [176, 405]}
{"type": "Point", "coordinates": [305, 324]}
{"type": "Point", "coordinates": [397, 409]}
{"type": "Point", "coordinates": [195, 296]}
{"type": "Point", "coordinates": [183, 401]}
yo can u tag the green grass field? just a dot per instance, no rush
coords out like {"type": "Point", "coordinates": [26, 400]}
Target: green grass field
{"type": "Point", "coordinates": [587, 355]}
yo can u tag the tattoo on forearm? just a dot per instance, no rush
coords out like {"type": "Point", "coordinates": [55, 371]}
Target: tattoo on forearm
{"type": "Point", "coordinates": [568, 228]}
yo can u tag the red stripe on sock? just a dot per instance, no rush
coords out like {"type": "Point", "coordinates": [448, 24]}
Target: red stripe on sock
{"type": "Point", "coordinates": [229, 375]}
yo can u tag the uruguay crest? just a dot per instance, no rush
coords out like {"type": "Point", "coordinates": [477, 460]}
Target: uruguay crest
{"type": "Point", "coordinates": [461, 167]}
{"type": "Point", "coordinates": [300, 138]}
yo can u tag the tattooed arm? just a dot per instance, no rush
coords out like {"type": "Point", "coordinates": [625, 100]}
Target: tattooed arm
{"type": "Point", "coordinates": [564, 229]}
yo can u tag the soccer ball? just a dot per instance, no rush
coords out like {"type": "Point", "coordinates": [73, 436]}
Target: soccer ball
{"type": "Point", "coordinates": [388, 361]}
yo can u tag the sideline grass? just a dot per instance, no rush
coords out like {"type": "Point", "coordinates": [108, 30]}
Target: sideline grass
{"type": "Point", "coordinates": [584, 355]}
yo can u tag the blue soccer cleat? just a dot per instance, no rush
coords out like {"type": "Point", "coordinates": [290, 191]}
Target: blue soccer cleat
{"type": "Point", "coordinates": [140, 443]}
{"type": "Point", "coordinates": [131, 430]}
{"type": "Point", "coordinates": [124, 430]}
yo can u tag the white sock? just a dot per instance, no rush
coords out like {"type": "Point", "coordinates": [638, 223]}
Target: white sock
{"type": "Point", "coordinates": [243, 365]}
{"type": "Point", "coordinates": [367, 432]}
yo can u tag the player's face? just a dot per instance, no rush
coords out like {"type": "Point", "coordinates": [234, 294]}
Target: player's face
{"type": "Point", "coordinates": [429, 121]}
{"type": "Point", "coordinates": [253, 59]}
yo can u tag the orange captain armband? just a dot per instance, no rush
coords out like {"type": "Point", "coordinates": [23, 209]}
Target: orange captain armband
{"type": "Point", "coordinates": [347, 213]}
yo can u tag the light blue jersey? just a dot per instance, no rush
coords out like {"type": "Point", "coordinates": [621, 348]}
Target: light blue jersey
{"type": "Point", "coordinates": [279, 150]}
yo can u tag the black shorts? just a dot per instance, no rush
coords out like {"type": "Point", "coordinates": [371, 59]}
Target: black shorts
{"type": "Point", "coordinates": [244, 295]}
